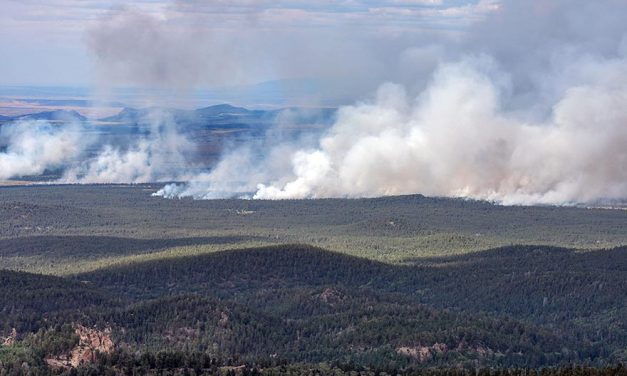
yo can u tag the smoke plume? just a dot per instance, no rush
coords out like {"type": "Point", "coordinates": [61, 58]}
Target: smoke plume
{"type": "Point", "coordinates": [30, 147]}
{"type": "Point", "coordinates": [161, 155]}
{"type": "Point", "coordinates": [531, 110]}
{"type": "Point", "coordinates": [523, 105]}
{"type": "Point", "coordinates": [455, 139]}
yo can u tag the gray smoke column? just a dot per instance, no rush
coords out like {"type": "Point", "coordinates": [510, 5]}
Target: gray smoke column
{"type": "Point", "coordinates": [133, 48]}
{"type": "Point", "coordinates": [170, 52]}
{"type": "Point", "coordinates": [136, 49]}
{"type": "Point", "coordinates": [532, 110]}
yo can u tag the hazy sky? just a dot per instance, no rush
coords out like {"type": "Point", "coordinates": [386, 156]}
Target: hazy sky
{"type": "Point", "coordinates": [61, 42]}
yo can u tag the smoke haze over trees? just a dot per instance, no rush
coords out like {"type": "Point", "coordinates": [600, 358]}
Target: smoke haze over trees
{"type": "Point", "coordinates": [520, 102]}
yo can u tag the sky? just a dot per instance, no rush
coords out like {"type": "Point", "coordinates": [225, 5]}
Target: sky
{"type": "Point", "coordinates": [239, 42]}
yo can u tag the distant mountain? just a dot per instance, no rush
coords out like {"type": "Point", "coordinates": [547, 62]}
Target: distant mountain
{"type": "Point", "coordinates": [57, 115]}
{"type": "Point", "coordinates": [221, 114]}
{"type": "Point", "coordinates": [225, 114]}
{"type": "Point", "coordinates": [221, 109]}
{"type": "Point", "coordinates": [127, 114]}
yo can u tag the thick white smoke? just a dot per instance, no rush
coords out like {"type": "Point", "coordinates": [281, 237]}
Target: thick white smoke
{"type": "Point", "coordinates": [527, 106]}
{"type": "Point", "coordinates": [30, 147]}
{"type": "Point", "coordinates": [455, 139]}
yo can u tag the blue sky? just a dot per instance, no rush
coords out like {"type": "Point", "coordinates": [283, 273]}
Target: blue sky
{"type": "Point", "coordinates": [50, 42]}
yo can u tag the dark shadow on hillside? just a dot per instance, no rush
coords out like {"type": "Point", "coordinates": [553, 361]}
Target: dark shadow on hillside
{"type": "Point", "coordinates": [310, 304]}
{"type": "Point", "coordinates": [31, 298]}
{"type": "Point", "coordinates": [249, 268]}
{"type": "Point", "coordinates": [92, 247]}
{"type": "Point", "coordinates": [539, 257]}
{"type": "Point", "coordinates": [523, 281]}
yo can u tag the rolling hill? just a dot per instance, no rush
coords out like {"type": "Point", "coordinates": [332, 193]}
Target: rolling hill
{"type": "Point", "coordinates": [120, 280]}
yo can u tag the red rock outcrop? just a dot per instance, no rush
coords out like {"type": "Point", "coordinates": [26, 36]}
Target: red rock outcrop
{"type": "Point", "coordinates": [10, 340]}
{"type": "Point", "coordinates": [91, 342]}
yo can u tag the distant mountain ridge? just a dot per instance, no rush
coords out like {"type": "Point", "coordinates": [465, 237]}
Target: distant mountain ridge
{"type": "Point", "coordinates": [215, 110]}
{"type": "Point", "coordinates": [219, 114]}
{"type": "Point", "coordinates": [56, 115]}
{"type": "Point", "coordinates": [221, 109]}
{"type": "Point", "coordinates": [222, 114]}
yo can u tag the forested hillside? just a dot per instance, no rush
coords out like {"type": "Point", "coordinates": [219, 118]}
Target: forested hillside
{"type": "Point", "coordinates": [65, 230]}
{"type": "Point", "coordinates": [511, 307]}
{"type": "Point", "coordinates": [184, 287]}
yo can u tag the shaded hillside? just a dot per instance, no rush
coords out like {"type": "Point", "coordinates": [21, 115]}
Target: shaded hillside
{"type": "Point", "coordinates": [29, 301]}
{"type": "Point", "coordinates": [515, 306]}
{"type": "Point", "coordinates": [577, 293]}
{"type": "Point", "coordinates": [44, 249]}
{"type": "Point", "coordinates": [525, 281]}
{"type": "Point", "coordinates": [196, 323]}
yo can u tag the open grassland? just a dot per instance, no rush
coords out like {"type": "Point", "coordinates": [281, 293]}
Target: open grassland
{"type": "Point", "coordinates": [69, 229]}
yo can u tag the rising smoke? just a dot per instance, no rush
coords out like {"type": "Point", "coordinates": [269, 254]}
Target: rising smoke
{"type": "Point", "coordinates": [31, 147]}
{"type": "Point", "coordinates": [161, 155]}
{"type": "Point", "coordinates": [526, 106]}
{"type": "Point", "coordinates": [455, 139]}
{"type": "Point", "coordinates": [533, 111]}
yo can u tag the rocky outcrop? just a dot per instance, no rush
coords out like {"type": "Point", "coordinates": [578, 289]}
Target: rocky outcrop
{"type": "Point", "coordinates": [90, 342]}
{"type": "Point", "coordinates": [331, 297]}
{"type": "Point", "coordinates": [10, 340]}
{"type": "Point", "coordinates": [422, 353]}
